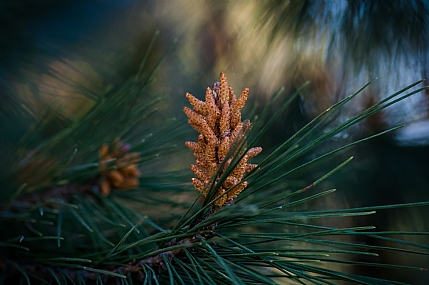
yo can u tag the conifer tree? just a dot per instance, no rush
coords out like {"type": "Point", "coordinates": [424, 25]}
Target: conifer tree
{"type": "Point", "coordinates": [92, 204]}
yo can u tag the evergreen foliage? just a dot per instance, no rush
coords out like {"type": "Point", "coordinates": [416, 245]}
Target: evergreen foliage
{"type": "Point", "coordinates": [58, 226]}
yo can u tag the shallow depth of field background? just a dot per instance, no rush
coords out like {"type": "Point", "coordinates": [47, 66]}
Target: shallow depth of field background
{"type": "Point", "coordinates": [67, 52]}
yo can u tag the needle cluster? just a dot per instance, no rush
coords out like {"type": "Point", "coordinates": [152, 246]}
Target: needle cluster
{"type": "Point", "coordinates": [218, 120]}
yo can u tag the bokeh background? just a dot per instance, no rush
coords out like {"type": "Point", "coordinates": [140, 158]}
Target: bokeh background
{"type": "Point", "coordinates": [65, 53]}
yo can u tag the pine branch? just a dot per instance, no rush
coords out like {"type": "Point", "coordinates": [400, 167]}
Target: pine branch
{"type": "Point", "coordinates": [70, 223]}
